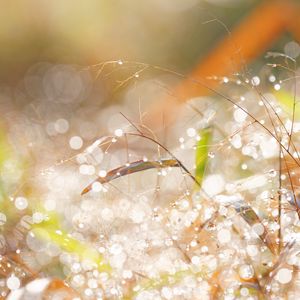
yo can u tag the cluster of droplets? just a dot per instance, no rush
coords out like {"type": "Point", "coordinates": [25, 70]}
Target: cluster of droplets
{"type": "Point", "coordinates": [153, 235]}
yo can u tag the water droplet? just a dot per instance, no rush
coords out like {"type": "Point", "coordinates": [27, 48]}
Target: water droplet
{"type": "Point", "coordinates": [116, 249]}
{"type": "Point", "coordinates": [75, 142]}
{"type": "Point", "coordinates": [240, 115]}
{"type": "Point", "coordinates": [118, 132]}
{"type": "Point", "coordinates": [244, 292]}
{"type": "Point", "coordinates": [258, 228]}
{"type": "Point", "coordinates": [277, 87]}
{"type": "Point", "coordinates": [96, 187]}
{"type": "Point", "coordinates": [78, 280]}
{"type": "Point", "coordinates": [167, 292]}
{"type": "Point", "coordinates": [37, 217]}
{"type": "Point", "coordinates": [21, 203]}
{"type": "Point", "coordinates": [252, 250]}
{"type": "Point", "coordinates": [2, 219]}
{"type": "Point", "coordinates": [107, 214]}
{"type": "Point", "coordinates": [61, 126]}
{"type": "Point", "coordinates": [255, 81]}
{"type": "Point", "coordinates": [34, 240]}
{"type": "Point", "coordinates": [211, 154]}
{"type": "Point", "coordinates": [246, 271]}
{"type": "Point", "coordinates": [92, 283]}
{"type": "Point", "coordinates": [224, 236]}
{"type": "Point", "coordinates": [196, 260]}
{"type": "Point", "coordinates": [191, 132]}
{"type": "Point", "coordinates": [102, 173]}
{"type": "Point", "coordinates": [13, 282]}
{"type": "Point", "coordinates": [37, 286]}
{"type": "Point", "coordinates": [272, 173]}
{"type": "Point", "coordinates": [244, 166]}
{"type": "Point", "coordinates": [127, 274]}
{"type": "Point", "coordinates": [284, 275]}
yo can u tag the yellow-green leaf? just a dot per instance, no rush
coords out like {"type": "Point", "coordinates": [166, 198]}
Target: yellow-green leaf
{"type": "Point", "coordinates": [286, 100]}
{"type": "Point", "coordinates": [202, 150]}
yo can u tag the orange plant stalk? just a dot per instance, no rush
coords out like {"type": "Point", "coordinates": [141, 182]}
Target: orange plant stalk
{"type": "Point", "coordinates": [252, 37]}
{"type": "Point", "coordinates": [246, 42]}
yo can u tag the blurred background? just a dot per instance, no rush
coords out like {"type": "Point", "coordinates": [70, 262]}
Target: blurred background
{"type": "Point", "coordinates": [57, 82]}
{"type": "Point", "coordinates": [76, 75]}
{"type": "Point", "coordinates": [52, 83]}
{"type": "Point", "coordinates": [169, 33]}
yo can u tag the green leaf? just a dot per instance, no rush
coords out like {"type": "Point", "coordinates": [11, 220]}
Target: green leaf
{"type": "Point", "coordinates": [202, 150]}
{"type": "Point", "coordinates": [51, 233]}
{"type": "Point", "coordinates": [5, 154]}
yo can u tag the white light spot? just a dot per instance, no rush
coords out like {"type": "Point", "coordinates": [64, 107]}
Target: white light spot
{"type": "Point", "coordinates": [195, 260]}
{"type": "Point", "coordinates": [37, 286]}
{"type": "Point", "coordinates": [76, 142]}
{"type": "Point", "coordinates": [87, 169]}
{"type": "Point", "coordinates": [224, 236]}
{"type": "Point", "coordinates": [240, 115]}
{"type": "Point", "coordinates": [191, 132]}
{"type": "Point", "coordinates": [88, 292]}
{"type": "Point", "coordinates": [255, 81]}
{"type": "Point", "coordinates": [16, 295]}
{"type": "Point", "coordinates": [116, 249]}
{"type": "Point", "coordinates": [37, 217]}
{"type": "Point", "coordinates": [292, 49]}
{"type": "Point", "coordinates": [61, 126]}
{"type": "Point", "coordinates": [2, 219]}
{"type": "Point", "coordinates": [277, 87]}
{"type": "Point", "coordinates": [213, 184]}
{"type": "Point", "coordinates": [252, 250]}
{"type": "Point", "coordinates": [137, 216]}
{"type": "Point", "coordinates": [101, 250]}
{"type": "Point", "coordinates": [244, 167]}
{"type": "Point", "coordinates": [272, 78]}
{"type": "Point", "coordinates": [244, 292]}
{"type": "Point", "coordinates": [102, 173]}
{"type": "Point", "coordinates": [284, 275]}
{"type": "Point", "coordinates": [50, 129]}
{"type": "Point", "coordinates": [167, 292]}
{"type": "Point", "coordinates": [107, 214]}
{"type": "Point", "coordinates": [246, 271]}
{"type": "Point", "coordinates": [13, 282]}
{"type": "Point", "coordinates": [21, 203]}
{"type": "Point", "coordinates": [76, 267]}
{"type": "Point", "coordinates": [96, 187]}
{"type": "Point", "coordinates": [258, 228]}
{"type": "Point", "coordinates": [92, 283]}
{"type": "Point", "coordinates": [118, 132]}
{"type": "Point", "coordinates": [127, 274]}
{"type": "Point", "coordinates": [50, 205]}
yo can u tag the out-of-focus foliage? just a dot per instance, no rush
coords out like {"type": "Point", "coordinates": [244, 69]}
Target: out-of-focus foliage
{"type": "Point", "coordinates": [167, 33]}
{"type": "Point", "coordinates": [202, 150]}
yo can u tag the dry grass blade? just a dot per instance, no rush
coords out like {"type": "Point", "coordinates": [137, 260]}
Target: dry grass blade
{"type": "Point", "coordinates": [280, 261]}
{"type": "Point", "coordinates": [250, 216]}
{"type": "Point", "coordinates": [131, 168]}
